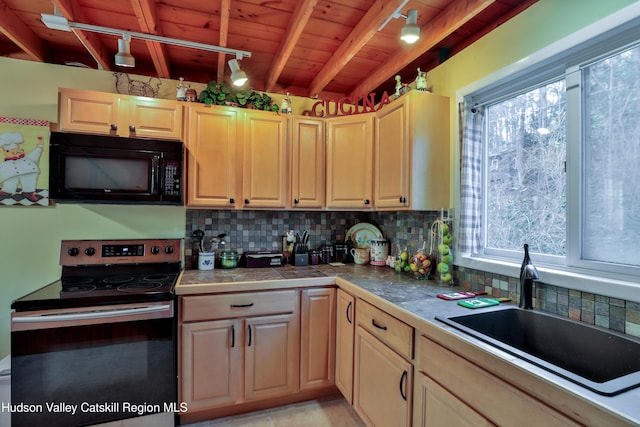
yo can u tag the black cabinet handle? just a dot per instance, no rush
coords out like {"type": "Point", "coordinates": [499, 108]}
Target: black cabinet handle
{"type": "Point", "coordinates": [233, 336]}
{"type": "Point", "coordinates": [246, 201]}
{"type": "Point", "coordinates": [367, 201]}
{"type": "Point", "coordinates": [402, 379]}
{"type": "Point", "coordinates": [403, 199]}
{"type": "Point", "coordinates": [113, 127]}
{"type": "Point", "coordinates": [241, 305]}
{"type": "Point", "coordinates": [296, 201]}
{"type": "Point", "coordinates": [348, 310]}
{"type": "Point", "coordinates": [132, 129]}
{"type": "Point", "coordinates": [377, 325]}
{"type": "Point", "coordinates": [249, 328]}
{"type": "Point", "coordinates": [232, 200]}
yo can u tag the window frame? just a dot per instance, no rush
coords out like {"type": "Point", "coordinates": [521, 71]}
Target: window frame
{"type": "Point", "coordinates": [563, 58]}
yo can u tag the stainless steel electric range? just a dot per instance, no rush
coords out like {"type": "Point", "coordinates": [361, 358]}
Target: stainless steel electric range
{"type": "Point", "coordinates": [99, 344]}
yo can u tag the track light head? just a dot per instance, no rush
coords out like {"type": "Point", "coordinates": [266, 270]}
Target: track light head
{"type": "Point", "coordinates": [124, 57]}
{"type": "Point", "coordinates": [411, 31]}
{"type": "Point", "coordinates": [238, 77]}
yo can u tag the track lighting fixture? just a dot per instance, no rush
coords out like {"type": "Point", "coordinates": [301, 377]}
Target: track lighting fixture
{"type": "Point", "coordinates": [411, 32]}
{"type": "Point", "coordinates": [124, 57]}
{"type": "Point", "coordinates": [238, 77]}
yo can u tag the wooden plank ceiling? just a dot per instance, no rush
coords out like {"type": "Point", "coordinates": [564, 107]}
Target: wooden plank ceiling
{"type": "Point", "coordinates": [325, 48]}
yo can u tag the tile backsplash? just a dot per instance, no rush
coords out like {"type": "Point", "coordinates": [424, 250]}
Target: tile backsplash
{"type": "Point", "coordinates": [263, 230]}
{"type": "Point", "coordinates": [611, 313]}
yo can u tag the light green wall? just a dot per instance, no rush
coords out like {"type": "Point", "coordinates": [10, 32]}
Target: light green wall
{"type": "Point", "coordinates": [30, 236]}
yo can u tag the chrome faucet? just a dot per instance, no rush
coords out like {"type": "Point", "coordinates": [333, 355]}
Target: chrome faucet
{"type": "Point", "coordinates": [528, 273]}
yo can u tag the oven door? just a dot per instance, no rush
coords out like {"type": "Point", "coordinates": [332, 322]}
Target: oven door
{"type": "Point", "coordinates": [84, 366]}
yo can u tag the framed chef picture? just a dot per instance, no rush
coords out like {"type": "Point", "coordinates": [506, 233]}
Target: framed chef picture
{"type": "Point", "coordinates": [24, 165]}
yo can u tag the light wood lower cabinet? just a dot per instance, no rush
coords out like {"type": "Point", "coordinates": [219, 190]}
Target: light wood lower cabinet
{"type": "Point", "coordinates": [345, 330]}
{"type": "Point", "coordinates": [252, 356]}
{"type": "Point", "coordinates": [437, 407]}
{"type": "Point", "coordinates": [382, 388]}
{"type": "Point", "coordinates": [458, 388]}
{"type": "Point", "coordinates": [211, 363]}
{"type": "Point", "coordinates": [317, 338]}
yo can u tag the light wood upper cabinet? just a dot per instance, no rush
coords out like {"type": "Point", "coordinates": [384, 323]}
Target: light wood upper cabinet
{"type": "Point", "coordinates": [317, 338]}
{"type": "Point", "coordinates": [412, 169]}
{"type": "Point", "coordinates": [307, 163]}
{"type": "Point", "coordinates": [116, 114]}
{"type": "Point", "coordinates": [350, 162]}
{"type": "Point", "coordinates": [265, 167]}
{"type": "Point", "coordinates": [213, 157]}
{"type": "Point", "coordinates": [345, 330]}
{"type": "Point", "coordinates": [391, 181]}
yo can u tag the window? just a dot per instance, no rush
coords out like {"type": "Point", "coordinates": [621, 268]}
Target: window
{"type": "Point", "coordinates": [561, 160]}
{"type": "Point", "coordinates": [525, 147]}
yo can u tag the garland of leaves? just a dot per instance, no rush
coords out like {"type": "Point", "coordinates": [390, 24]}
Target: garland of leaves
{"type": "Point", "coordinates": [220, 93]}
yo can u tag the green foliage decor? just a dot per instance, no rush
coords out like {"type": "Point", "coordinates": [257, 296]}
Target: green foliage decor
{"type": "Point", "coordinates": [220, 93]}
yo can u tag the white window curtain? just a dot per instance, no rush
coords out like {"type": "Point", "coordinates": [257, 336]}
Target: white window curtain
{"type": "Point", "coordinates": [470, 239]}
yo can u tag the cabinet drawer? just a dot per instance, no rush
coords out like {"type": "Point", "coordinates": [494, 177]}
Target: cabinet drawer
{"type": "Point", "coordinates": [393, 332]}
{"type": "Point", "coordinates": [206, 307]}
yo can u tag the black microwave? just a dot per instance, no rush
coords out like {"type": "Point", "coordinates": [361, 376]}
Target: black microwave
{"type": "Point", "coordinates": [87, 168]}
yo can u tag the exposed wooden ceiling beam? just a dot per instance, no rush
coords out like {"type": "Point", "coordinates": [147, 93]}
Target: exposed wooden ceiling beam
{"type": "Point", "coordinates": [145, 11]}
{"type": "Point", "coordinates": [90, 40]}
{"type": "Point", "coordinates": [298, 21]}
{"type": "Point", "coordinates": [225, 12]}
{"type": "Point", "coordinates": [452, 18]}
{"type": "Point", "coordinates": [359, 36]}
{"type": "Point", "coordinates": [20, 34]}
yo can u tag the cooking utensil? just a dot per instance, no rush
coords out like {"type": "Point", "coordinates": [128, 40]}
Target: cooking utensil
{"type": "Point", "coordinates": [198, 236]}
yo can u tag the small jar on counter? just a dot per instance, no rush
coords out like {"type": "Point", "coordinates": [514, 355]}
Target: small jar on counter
{"type": "Point", "coordinates": [314, 257]}
{"type": "Point", "coordinates": [229, 259]}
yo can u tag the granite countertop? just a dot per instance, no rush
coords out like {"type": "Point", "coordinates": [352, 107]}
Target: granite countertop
{"type": "Point", "coordinates": [411, 300]}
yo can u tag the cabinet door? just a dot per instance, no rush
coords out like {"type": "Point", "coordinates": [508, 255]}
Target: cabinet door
{"type": "Point", "coordinates": [271, 356]}
{"type": "Point", "coordinates": [317, 338]}
{"type": "Point", "coordinates": [211, 363]}
{"type": "Point", "coordinates": [307, 163]}
{"type": "Point", "coordinates": [382, 386]}
{"type": "Point", "coordinates": [437, 407]}
{"type": "Point", "coordinates": [350, 162]}
{"type": "Point", "coordinates": [155, 118]}
{"type": "Point", "coordinates": [265, 165]}
{"type": "Point", "coordinates": [213, 166]}
{"type": "Point", "coordinates": [391, 186]}
{"type": "Point", "coordinates": [345, 305]}
{"type": "Point", "coordinates": [86, 111]}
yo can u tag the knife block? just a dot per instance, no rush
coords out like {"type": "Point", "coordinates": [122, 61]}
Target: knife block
{"type": "Point", "coordinates": [301, 259]}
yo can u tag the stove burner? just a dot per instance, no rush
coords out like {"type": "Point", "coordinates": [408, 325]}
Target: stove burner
{"type": "Point", "coordinates": [118, 279]}
{"type": "Point", "coordinates": [138, 286]}
{"type": "Point", "coordinates": [79, 288]}
{"type": "Point", "coordinates": [154, 277]}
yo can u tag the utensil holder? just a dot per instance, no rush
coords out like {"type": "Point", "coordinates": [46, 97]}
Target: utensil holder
{"type": "Point", "coordinates": [301, 259]}
{"type": "Point", "coordinates": [206, 260]}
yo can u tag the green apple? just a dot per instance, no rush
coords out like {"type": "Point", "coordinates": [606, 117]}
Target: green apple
{"type": "Point", "coordinates": [448, 258]}
{"type": "Point", "coordinates": [444, 229]}
{"type": "Point", "coordinates": [443, 249]}
{"type": "Point", "coordinates": [446, 277]}
{"type": "Point", "coordinates": [447, 239]}
{"type": "Point", "coordinates": [443, 267]}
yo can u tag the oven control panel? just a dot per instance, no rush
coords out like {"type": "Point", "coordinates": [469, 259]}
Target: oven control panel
{"type": "Point", "coordinates": [103, 252]}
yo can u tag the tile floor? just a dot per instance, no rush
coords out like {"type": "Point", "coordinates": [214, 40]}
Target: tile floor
{"type": "Point", "coordinates": [328, 412]}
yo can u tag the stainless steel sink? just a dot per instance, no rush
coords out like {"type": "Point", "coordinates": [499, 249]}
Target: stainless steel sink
{"type": "Point", "coordinates": [598, 359]}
